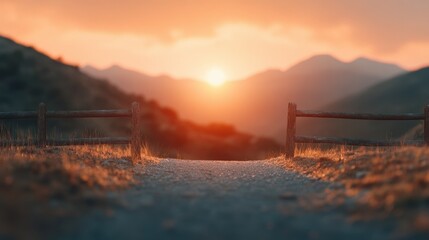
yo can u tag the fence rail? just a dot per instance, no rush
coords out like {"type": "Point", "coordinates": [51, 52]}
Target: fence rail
{"type": "Point", "coordinates": [355, 142]}
{"type": "Point", "coordinates": [69, 114]}
{"type": "Point", "coordinates": [360, 116]}
{"type": "Point", "coordinates": [42, 115]}
{"type": "Point", "coordinates": [293, 113]}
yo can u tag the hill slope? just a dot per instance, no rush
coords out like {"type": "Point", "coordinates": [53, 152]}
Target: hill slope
{"type": "Point", "coordinates": [402, 94]}
{"type": "Point", "coordinates": [29, 77]}
{"type": "Point", "coordinates": [256, 104]}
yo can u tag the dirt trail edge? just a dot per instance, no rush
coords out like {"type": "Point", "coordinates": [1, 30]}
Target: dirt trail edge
{"type": "Point", "coordinates": [184, 199]}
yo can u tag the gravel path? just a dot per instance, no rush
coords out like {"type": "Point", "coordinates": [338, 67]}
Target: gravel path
{"type": "Point", "coordinates": [183, 199]}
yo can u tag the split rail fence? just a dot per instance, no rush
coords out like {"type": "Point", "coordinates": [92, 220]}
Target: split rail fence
{"type": "Point", "coordinates": [294, 113]}
{"type": "Point", "coordinates": [42, 115]}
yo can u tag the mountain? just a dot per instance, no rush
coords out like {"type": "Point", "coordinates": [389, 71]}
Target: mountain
{"type": "Point", "coordinates": [28, 77]}
{"type": "Point", "coordinates": [317, 63]}
{"type": "Point", "coordinates": [161, 88]}
{"type": "Point", "coordinates": [322, 63]}
{"type": "Point", "coordinates": [374, 68]}
{"type": "Point", "coordinates": [258, 103]}
{"type": "Point", "coordinates": [406, 93]}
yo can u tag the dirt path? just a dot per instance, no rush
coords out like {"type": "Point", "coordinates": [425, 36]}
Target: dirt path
{"type": "Point", "coordinates": [182, 199]}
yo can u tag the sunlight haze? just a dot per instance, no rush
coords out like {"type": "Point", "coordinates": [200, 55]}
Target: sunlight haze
{"type": "Point", "coordinates": [216, 77]}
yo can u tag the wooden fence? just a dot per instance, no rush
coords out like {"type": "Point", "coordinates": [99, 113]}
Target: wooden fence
{"type": "Point", "coordinates": [42, 115]}
{"type": "Point", "coordinates": [293, 113]}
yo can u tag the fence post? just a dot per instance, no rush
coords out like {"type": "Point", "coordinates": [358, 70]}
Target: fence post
{"type": "Point", "coordinates": [426, 125]}
{"type": "Point", "coordinates": [41, 125]}
{"type": "Point", "coordinates": [135, 132]}
{"type": "Point", "coordinates": [290, 132]}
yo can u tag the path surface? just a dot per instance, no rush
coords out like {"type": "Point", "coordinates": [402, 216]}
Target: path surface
{"type": "Point", "coordinates": [183, 199]}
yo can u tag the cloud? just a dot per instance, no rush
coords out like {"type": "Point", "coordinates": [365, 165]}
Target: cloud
{"type": "Point", "coordinates": [185, 38]}
{"type": "Point", "coordinates": [380, 25]}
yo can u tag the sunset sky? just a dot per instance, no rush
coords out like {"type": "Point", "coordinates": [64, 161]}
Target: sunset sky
{"type": "Point", "coordinates": [188, 38]}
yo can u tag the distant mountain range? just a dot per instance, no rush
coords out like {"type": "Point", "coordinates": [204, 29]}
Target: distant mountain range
{"type": "Point", "coordinates": [28, 77]}
{"type": "Point", "coordinates": [258, 103]}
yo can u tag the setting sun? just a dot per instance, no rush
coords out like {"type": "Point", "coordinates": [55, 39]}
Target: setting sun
{"type": "Point", "coordinates": [215, 77]}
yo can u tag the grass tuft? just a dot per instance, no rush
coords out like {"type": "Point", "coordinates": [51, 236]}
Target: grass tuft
{"type": "Point", "coordinates": [39, 185]}
{"type": "Point", "coordinates": [383, 182]}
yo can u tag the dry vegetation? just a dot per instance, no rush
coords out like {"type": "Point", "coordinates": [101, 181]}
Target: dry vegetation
{"type": "Point", "coordinates": [42, 187]}
{"type": "Point", "coordinates": [39, 187]}
{"type": "Point", "coordinates": [374, 183]}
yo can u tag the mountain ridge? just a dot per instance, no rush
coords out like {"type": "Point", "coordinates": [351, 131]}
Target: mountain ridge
{"type": "Point", "coordinates": [406, 93]}
{"type": "Point", "coordinates": [256, 104]}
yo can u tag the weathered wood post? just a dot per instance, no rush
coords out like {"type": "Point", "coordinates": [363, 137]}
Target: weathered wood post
{"type": "Point", "coordinates": [41, 125]}
{"type": "Point", "coordinates": [135, 132]}
{"type": "Point", "coordinates": [290, 132]}
{"type": "Point", "coordinates": [426, 125]}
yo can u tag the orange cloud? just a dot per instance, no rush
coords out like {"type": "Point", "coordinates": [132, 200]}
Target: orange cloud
{"type": "Point", "coordinates": [243, 35]}
{"type": "Point", "coordinates": [384, 25]}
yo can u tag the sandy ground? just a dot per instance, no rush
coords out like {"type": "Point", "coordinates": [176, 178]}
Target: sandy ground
{"type": "Point", "coordinates": [183, 199]}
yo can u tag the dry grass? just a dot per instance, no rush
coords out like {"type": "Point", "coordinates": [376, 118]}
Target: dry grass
{"type": "Point", "coordinates": [384, 182]}
{"type": "Point", "coordinates": [38, 186]}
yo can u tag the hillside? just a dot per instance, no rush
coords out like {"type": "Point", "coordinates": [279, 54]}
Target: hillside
{"type": "Point", "coordinates": [29, 77]}
{"type": "Point", "coordinates": [256, 104]}
{"type": "Point", "coordinates": [402, 94]}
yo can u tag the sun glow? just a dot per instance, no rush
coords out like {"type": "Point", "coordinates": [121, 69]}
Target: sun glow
{"type": "Point", "coordinates": [215, 77]}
